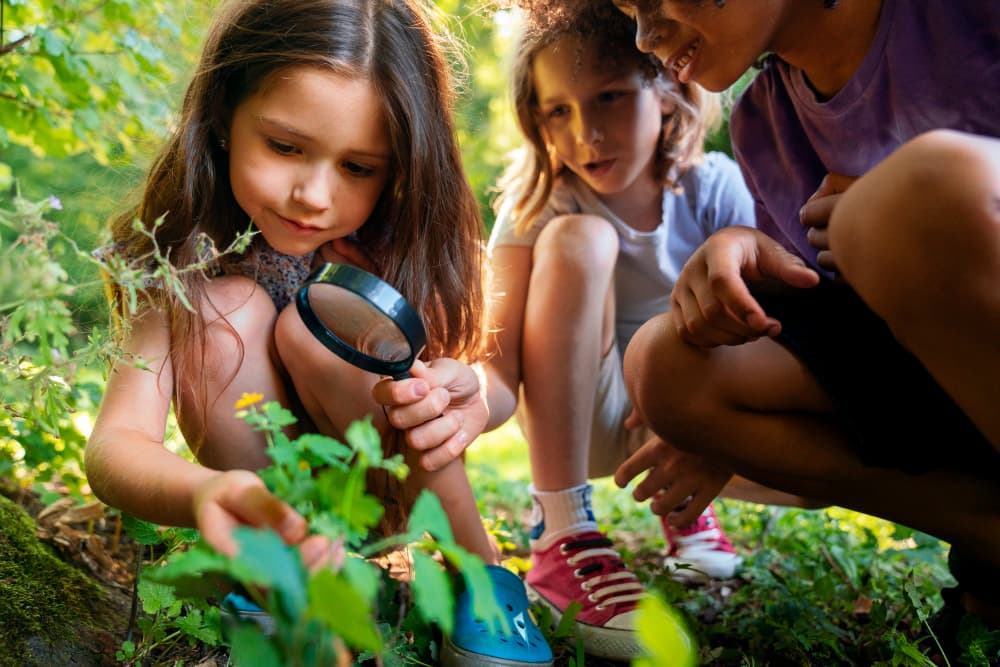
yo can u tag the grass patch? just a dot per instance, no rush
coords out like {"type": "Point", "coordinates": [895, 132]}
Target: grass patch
{"type": "Point", "coordinates": [817, 587]}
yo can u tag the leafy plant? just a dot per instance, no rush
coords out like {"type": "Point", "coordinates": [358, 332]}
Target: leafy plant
{"type": "Point", "coordinates": [337, 611]}
{"type": "Point", "coordinates": [51, 373]}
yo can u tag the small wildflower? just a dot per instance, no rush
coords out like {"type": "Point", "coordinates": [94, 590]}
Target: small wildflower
{"type": "Point", "coordinates": [248, 399]}
{"type": "Point", "coordinates": [55, 203]}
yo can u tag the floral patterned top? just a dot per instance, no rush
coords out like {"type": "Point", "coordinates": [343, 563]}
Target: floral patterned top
{"type": "Point", "coordinates": [280, 275]}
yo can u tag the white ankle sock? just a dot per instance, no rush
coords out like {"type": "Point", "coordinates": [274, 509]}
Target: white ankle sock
{"type": "Point", "coordinates": [556, 514]}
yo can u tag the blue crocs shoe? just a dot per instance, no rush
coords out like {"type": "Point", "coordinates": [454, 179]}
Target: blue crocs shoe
{"type": "Point", "coordinates": [473, 645]}
{"type": "Point", "coordinates": [237, 607]}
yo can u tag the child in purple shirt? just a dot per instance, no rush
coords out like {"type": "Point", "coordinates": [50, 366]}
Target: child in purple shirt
{"type": "Point", "coordinates": [849, 349]}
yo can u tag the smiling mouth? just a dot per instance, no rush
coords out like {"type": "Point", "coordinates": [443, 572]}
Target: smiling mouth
{"type": "Point", "coordinates": [680, 62]}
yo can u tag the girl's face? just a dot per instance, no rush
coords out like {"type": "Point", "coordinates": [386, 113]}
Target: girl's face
{"type": "Point", "coordinates": [700, 41]}
{"type": "Point", "coordinates": [309, 157]}
{"type": "Point", "coordinates": [604, 123]}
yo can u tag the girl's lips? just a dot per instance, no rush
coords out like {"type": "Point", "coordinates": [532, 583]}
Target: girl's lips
{"type": "Point", "coordinates": [600, 167]}
{"type": "Point", "coordinates": [295, 226]}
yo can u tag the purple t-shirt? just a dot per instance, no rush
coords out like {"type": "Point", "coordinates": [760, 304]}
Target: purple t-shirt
{"type": "Point", "coordinates": [932, 64]}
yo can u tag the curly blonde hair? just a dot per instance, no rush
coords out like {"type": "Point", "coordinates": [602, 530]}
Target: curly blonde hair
{"type": "Point", "coordinates": [528, 180]}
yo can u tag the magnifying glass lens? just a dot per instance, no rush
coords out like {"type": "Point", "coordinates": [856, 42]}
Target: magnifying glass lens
{"type": "Point", "coordinates": [362, 319]}
{"type": "Point", "coordinates": [353, 319]}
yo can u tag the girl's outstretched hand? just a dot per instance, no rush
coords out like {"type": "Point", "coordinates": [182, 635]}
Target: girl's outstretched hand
{"type": "Point", "coordinates": [680, 484]}
{"type": "Point", "coordinates": [239, 498]}
{"type": "Point", "coordinates": [711, 302]}
{"type": "Point", "coordinates": [441, 408]}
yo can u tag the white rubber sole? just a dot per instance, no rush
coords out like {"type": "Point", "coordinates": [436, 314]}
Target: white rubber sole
{"type": "Point", "coordinates": [598, 642]}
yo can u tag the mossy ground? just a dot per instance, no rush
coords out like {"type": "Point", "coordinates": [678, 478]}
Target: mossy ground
{"type": "Point", "coordinates": [42, 599]}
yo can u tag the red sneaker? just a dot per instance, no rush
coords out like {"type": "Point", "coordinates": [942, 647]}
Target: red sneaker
{"type": "Point", "coordinates": [584, 568]}
{"type": "Point", "coordinates": [702, 549]}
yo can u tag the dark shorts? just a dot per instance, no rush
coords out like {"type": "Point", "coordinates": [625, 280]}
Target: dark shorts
{"type": "Point", "coordinates": [897, 413]}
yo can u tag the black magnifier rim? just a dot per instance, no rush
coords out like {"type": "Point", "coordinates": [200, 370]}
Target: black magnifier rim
{"type": "Point", "coordinates": [379, 294]}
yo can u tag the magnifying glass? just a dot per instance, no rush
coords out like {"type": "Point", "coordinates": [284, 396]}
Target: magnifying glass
{"type": "Point", "coordinates": [362, 319]}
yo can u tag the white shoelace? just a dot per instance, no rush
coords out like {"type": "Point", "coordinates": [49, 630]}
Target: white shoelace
{"type": "Point", "coordinates": [629, 581]}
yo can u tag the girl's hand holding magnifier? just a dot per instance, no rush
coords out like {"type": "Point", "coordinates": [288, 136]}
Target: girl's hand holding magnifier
{"type": "Point", "coordinates": [441, 408]}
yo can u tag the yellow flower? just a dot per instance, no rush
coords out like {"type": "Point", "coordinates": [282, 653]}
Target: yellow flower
{"type": "Point", "coordinates": [248, 399]}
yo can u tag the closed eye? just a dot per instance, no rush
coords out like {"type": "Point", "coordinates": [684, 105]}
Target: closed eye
{"type": "Point", "coordinates": [358, 170]}
{"type": "Point", "coordinates": [281, 148]}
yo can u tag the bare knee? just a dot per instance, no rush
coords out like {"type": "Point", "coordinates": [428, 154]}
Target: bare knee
{"type": "Point", "coordinates": [578, 244]}
{"type": "Point", "coordinates": [929, 210]}
{"type": "Point", "coordinates": [332, 391]}
{"type": "Point", "coordinates": [665, 378]}
{"type": "Point", "coordinates": [239, 320]}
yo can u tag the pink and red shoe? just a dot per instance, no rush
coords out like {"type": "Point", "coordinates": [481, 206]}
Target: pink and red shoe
{"type": "Point", "coordinates": [584, 568]}
{"type": "Point", "coordinates": [701, 550]}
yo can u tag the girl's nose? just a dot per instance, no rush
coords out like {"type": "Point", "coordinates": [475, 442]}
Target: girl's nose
{"type": "Point", "coordinates": [588, 133]}
{"type": "Point", "coordinates": [314, 189]}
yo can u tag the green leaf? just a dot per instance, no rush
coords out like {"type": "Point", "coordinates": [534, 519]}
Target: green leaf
{"type": "Point", "coordinates": [665, 636]}
{"type": "Point", "coordinates": [427, 516]}
{"type": "Point", "coordinates": [193, 625]}
{"type": "Point", "coordinates": [265, 560]}
{"type": "Point", "coordinates": [188, 572]}
{"type": "Point", "coordinates": [362, 436]}
{"type": "Point", "coordinates": [250, 648]}
{"type": "Point", "coordinates": [335, 602]}
{"type": "Point", "coordinates": [364, 577]}
{"type": "Point", "coordinates": [143, 532]}
{"type": "Point", "coordinates": [480, 586]}
{"type": "Point", "coordinates": [567, 623]}
{"type": "Point", "coordinates": [326, 449]}
{"type": "Point", "coordinates": [432, 592]}
{"type": "Point", "coordinates": [155, 596]}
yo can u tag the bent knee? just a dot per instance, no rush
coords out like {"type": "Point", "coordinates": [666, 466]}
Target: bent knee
{"type": "Point", "coordinates": [662, 375]}
{"type": "Point", "coordinates": [576, 241]}
{"type": "Point", "coordinates": [240, 301]}
{"type": "Point", "coordinates": [239, 320]}
{"type": "Point", "coordinates": [929, 209]}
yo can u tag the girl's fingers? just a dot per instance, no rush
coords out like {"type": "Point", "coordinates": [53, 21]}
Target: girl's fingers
{"type": "Point", "coordinates": [447, 452]}
{"type": "Point", "coordinates": [405, 417]}
{"type": "Point", "coordinates": [239, 498]}
{"type": "Point", "coordinates": [432, 433]}
{"type": "Point", "coordinates": [216, 528]}
{"type": "Point", "coordinates": [391, 392]}
{"type": "Point", "coordinates": [259, 508]}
